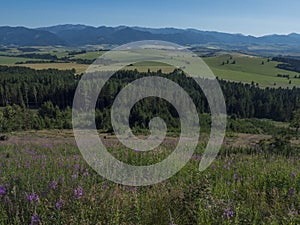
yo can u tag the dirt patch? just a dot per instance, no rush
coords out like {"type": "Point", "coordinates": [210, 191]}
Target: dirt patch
{"type": "Point", "coordinates": [62, 137]}
{"type": "Point", "coordinates": [245, 140]}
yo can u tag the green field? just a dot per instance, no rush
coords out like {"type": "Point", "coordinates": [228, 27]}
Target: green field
{"type": "Point", "coordinates": [89, 55]}
{"type": "Point", "coordinates": [248, 69]}
{"type": "Point", "coordinates": [13, 60]}
{"type": "Point", "coordinates": [80, 68]}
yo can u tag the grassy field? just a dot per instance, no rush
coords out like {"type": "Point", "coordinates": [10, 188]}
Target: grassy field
{"type": "Point", "coordinates": [152, 66]}
{"type": "Point", "coordinates": [50, 183]}
{"type": "Point", "coordinates": [248, 69]}
{"type": "Point", "coordinates": [80, 68]}
{"type": "Point", "coordinates": [89, 55]}
{"type": "Point", "coordinates": [12, 60]}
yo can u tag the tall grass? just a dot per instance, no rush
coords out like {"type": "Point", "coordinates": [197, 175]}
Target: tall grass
{"type": "Point", "coordinates": [53, 185]}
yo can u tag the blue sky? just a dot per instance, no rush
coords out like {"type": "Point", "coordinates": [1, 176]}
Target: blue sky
{"type": "Point", "coordinates": [255, 17]}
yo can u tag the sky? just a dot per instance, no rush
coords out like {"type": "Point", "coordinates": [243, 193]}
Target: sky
{"type": "Point", "coordinates": [249, 17]}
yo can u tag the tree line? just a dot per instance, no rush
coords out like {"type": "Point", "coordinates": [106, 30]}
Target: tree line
{"type": "Point", "coordinates": [49, 94]}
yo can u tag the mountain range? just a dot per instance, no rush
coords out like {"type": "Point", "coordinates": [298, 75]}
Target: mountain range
{"type": "Point", "coordinates": [80, 35]}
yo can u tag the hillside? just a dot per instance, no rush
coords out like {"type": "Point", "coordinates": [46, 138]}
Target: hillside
{"type": "Point", "coordinates": [80, 35]}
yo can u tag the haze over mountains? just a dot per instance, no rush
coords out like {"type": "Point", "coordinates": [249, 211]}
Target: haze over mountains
{"type": "Point", "coordinates": [80, 35]}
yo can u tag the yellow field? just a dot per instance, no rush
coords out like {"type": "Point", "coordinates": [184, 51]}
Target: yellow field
{"type": "Point", "coordinates": [80, 68]}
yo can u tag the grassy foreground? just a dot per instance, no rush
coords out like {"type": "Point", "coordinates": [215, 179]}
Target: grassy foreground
{"type": "Point", "coordinates": [52, 184]}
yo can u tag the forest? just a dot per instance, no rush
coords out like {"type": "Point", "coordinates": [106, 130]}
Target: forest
{"type": "Point", "coordinates": [288, 63]}
{"type": "Point", "coordinates": [43, 99]}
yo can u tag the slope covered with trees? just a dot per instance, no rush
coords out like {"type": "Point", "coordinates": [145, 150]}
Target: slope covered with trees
{"type": "Point", "coordinates": [49, 94]}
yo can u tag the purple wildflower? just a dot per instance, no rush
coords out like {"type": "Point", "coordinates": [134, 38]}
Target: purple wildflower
{"type": "Point", "coordinates": [132, 189]}
{"type": "Point", "coordinates": [293, 213]}
{"type": "Point", "coordinates": [76, 166]}
{"type": "Point", "coordinates": [235, 176]}
{"type": "Point", "coordinates": [35, 219]}
{"type": "Point", "coordinates": [291, 191]}
{"type": "Point", "coordinates": [74, 176]}
{"type": "Point", "coordinates": [47, 145]}
{"type": "Point", "coordinates": [293, 174]}
{"type": "Point", "coordinates": [27, 165]}
{"type": "Point", "coordinates": [2, 190]}
{"type": "Point", "coordinates": [86, 173]}
{"type": "Point", "coordinates": [33, 198]}
{"type": "Point", "coordinates": [105, 186]}
{"type": "Point", "coordinates": [196, 157]}
{"type": "Point", "coordinates": [228, 214]}
{"type": "Point", "coordinates": [59, 204]}
{"type": "Point", "coordinates": [52, 185]}
{"type": "Point", "coordinates": [77, 193]}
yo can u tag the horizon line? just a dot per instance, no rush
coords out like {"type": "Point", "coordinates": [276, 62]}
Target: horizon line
{"type": "Point", "coordinates": [139, 26]}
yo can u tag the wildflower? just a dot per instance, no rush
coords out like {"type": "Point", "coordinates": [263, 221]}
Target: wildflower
{"type": "Point", "coordinates": [228, 214]}
{"type": "Point", "coordinates": [27, 165]}
{"type": "Point", "coordinates": [196, 157]}
{"type": "Point", "coordinates": [293, 213]}
{"type": "Point", "coordinates": [77, 193]}
{"type": "Point", "coordinates": [105, 186]}
{"type": "Point", "coordinates": [132, 189]}
{"type": "Point", "coordinates": [74, 176]}
{"type": "Point", "coordinates": [86, 173]}
{"type": "Point", "coordinates": [52, 185]}
{"type": "Point", "coordinates": [291, 191]}
{"type": "Point", "coordinates": [2, 190]}
{"type": "Point", "coordinates": [293, 174]}
{"type": "Point", "coordinates": [226, 167]}
{"type": "Point", "coordinates": [33, 198]}
{"type": "Point", "coordinates": [48, 145]}
{"type": "Point", "coordinates": [59, 204]}
{"type": "Point", "coordinates": [76, 166]}
{"type": "Point", "coordinates": [35, 219]}
{"type": "Point", "coordinates": [235, 176]}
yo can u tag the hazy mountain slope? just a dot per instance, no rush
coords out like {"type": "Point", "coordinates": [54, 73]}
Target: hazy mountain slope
{"type": "Point", "coordinates": [22, 36]}
{"type": "Point", "coordinates": [79, 35]}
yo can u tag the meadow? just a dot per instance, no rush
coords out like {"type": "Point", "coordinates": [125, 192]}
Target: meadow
{"type": "Point", "coordinates": [254, 180]}
{"type": "Point", "coordinates": [225, 65]}
{"type": "Point", "coordinates": [50, 183]}
{"type": "Point", "coordinates": [250, 68]}
{"type": "Point", "coordinates": [79, 68]}
{"type": "Point", "coordinates": [12, 60]}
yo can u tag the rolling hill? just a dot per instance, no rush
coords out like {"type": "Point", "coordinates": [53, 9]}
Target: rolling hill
{"type": "Point", "coordinates": [80, 35]}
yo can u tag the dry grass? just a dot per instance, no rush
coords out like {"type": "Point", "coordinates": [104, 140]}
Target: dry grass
{"type": "Point", "coordinates": [80, 68]}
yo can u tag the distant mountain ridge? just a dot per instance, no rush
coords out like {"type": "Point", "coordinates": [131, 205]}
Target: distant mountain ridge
{"type": "Point", "coordinates": [80, 35]}
{"type": "Point", "coordinates": [22, 36]}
